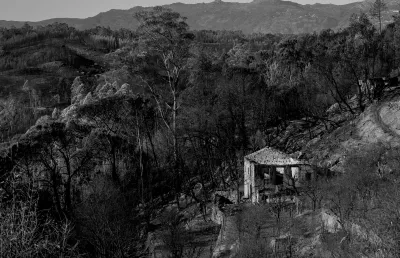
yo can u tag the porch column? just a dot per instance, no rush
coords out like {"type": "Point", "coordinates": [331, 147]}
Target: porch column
{"type": "Point", "coordinates": [253, 188]}
{"type": "Point", "coordinates": [247, 180]}
{"type": "Point", "coordinates": [296, 175]}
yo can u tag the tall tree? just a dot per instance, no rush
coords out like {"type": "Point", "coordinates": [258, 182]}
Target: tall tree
{"type": "Point", "coordinates": [360, 52]}
{"type": "Point", "coordinates": [107, 117]}
{"type": "Point", "coordinates": [376, 11]}
{"type": "Point", "coordinates": [163, 51]}
{"type": "Point", "coordinates": [61, 155]}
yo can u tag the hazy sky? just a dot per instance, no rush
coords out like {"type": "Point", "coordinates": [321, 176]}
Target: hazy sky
{"type": "Point", "coordinates": [35, 10]}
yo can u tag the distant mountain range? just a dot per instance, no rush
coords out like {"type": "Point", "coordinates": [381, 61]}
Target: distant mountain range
{"type": "Point", "coordinates": [265, 16]}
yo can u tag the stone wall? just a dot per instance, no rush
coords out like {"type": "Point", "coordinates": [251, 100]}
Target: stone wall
{"type": "Point", "coordinates": [227, 244]}
{"type": "Point", "coordinates": [217, 216]}
{"type": "Point", "coordinates": [231, 195]}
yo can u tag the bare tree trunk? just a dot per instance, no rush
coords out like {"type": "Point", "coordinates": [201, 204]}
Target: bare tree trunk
{"type": "Point", "coordinates": [152, 147]}
{"type": "Point", "coordinates": [56, 195]}
{"type": "Point", "coordinates": [176, 170]}
{"type": "Point", "coordinates": [114, 173]}
{"type": "Point", "coordinates": [339, 94]}
{"type": "Point", "coordinates": [67, 194]}
{"type": "Point", "coordinates": [140, 157]}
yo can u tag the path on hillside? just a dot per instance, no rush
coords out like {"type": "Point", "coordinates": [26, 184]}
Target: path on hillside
{"type": "Point", "coordinates": [387, 128]}
{"type": "Point", "coordinates": [387, 116]}
{"type": "Point", "coordinates": [380, 122]}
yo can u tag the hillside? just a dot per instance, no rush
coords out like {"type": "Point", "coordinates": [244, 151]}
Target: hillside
{"type": "Point", "coordinates": [36, 76]}
{"type": "Point", "coordinates": [125, 143]}
{"type": "Point", "coordinates": [259, 16]}
{"type": "Point", "coordinates": [376, 128]}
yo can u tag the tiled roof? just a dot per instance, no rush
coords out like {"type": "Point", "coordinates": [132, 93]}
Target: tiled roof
{"type": "Point", "coordinates": [270, 156]}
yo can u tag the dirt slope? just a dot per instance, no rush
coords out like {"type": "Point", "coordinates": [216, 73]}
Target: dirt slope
{"type": "Point", "coordinates": [378, 124]}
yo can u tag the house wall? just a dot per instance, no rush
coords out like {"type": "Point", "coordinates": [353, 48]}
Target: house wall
{"type": "Point", "coordinates": [249, 180]}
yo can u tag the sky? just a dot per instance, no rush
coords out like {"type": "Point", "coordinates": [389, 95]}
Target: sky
{"type": "Point", "coordinates": [36, 10]}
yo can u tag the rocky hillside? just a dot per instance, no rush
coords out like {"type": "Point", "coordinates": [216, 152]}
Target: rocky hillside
{"type": "Point", "coordinates": [265, 16]}
{"type": "Point", "coordinates": [376, 128]}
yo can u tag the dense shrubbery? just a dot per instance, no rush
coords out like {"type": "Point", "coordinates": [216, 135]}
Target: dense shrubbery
{"type": "Point", "coordinates": [361, 201]}
{"type": "Point", "coordinates": [27, 231]}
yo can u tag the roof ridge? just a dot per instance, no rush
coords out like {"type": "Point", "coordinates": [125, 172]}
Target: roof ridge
{"type": "Point", "coordinates": [269, 148]}
{"type": "Point", "coordinates": [272, 156]}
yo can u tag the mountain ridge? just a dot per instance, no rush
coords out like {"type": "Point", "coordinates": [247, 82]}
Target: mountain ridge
{"type": "Point", "coordinates": [259, 16]}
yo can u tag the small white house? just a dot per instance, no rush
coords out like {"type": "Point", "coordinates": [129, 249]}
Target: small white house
{"type": "Point", "coordinates": [272, 170]}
